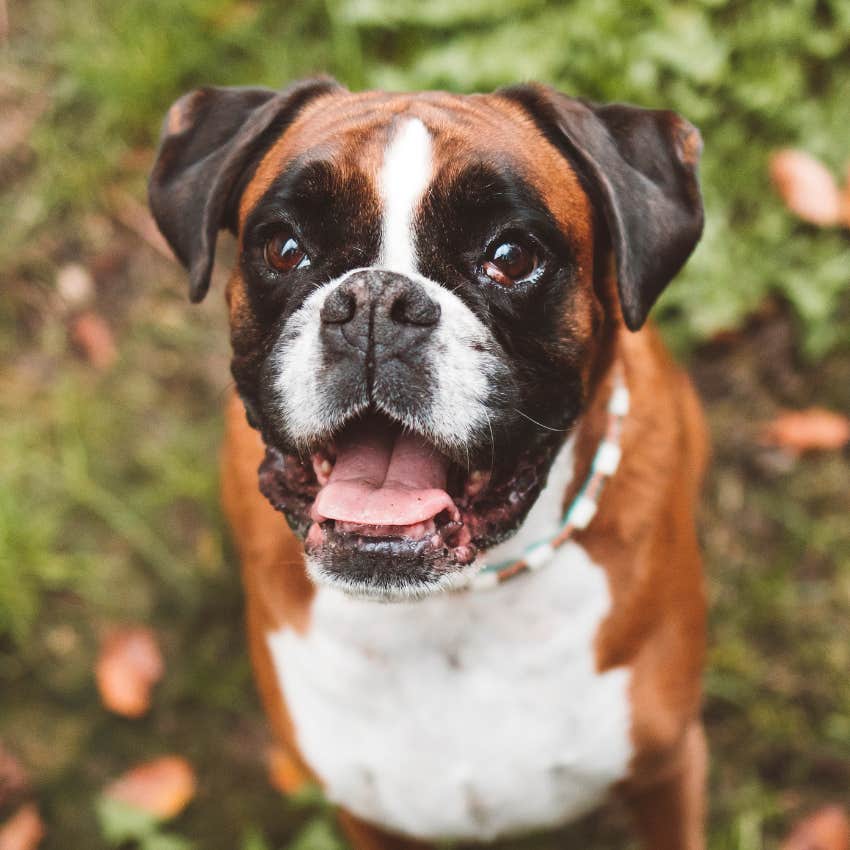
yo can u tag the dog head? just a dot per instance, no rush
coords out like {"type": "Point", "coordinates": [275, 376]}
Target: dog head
{"type": "Point", "coordinates": [422, 297]}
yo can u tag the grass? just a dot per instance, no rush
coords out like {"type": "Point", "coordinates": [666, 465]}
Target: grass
{"type": "Point", "coordinates": [108, 492]}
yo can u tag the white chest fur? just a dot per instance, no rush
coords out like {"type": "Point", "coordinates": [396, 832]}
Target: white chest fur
{"type": "Point", "coordinates": [468, 715]}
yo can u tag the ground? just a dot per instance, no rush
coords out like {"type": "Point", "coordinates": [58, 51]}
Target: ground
{"type": "Point", "coordinates": [109, 513]}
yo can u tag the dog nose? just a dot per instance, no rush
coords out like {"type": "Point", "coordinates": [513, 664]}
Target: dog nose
{"type": "Point", "coordinates": [384, 311]}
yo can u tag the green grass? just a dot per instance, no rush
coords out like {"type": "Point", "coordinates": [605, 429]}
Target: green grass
{"type": "Point", "coordinates": [108, 481]}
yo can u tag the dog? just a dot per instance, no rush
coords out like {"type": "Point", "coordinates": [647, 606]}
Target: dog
{"type": "Point", "coordinates": [484, 613]}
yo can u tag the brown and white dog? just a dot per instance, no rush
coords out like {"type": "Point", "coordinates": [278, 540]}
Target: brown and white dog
{"type": "Point", "coordinates": [435, 300]}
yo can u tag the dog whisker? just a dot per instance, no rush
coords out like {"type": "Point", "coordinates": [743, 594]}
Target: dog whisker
{"type": "Point", "coordinates": [539, 424]}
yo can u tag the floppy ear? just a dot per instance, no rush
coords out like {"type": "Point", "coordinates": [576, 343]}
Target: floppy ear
{"type": "Point", "coordinates": [211, 140]}
{"type": "Point", "coordinates": [640, 168]}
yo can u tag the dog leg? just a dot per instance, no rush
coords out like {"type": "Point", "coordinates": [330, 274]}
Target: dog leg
{"type": "Point", "coordinates": [364, 836]}
{"type": "Point", "coordinates": [670, 814]}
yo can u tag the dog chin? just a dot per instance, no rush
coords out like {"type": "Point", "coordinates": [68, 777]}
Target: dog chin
{"type": "Point", "coordinates": [367, 584]}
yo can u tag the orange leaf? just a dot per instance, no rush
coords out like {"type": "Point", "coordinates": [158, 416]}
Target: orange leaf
{"type": "Point", "coordinates": [845, 199]}
{"type": "Point", "coordinates": [128, 667]}
{"type": "Point", "coordinates": [807, 430]}
{"type": "Point", "coordinates": [285, 773]}
{"type": "Point", "coordinates": [806, 186]}
{"type": "Point", "coordinates": [23, 831]}
{"type": "Point", "coordinates": [827, 829]}
{"type": "Point", "coordinates": [90, 332]}
{"type": "Point", "coordinates": [162, 787]}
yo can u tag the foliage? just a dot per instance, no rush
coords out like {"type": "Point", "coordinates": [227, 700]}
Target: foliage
{"type": "Point", "coordinates": [318, 834]}
{"type": "Point", "coordinates": [121, 823]}
{"type": "Point", "coordinates": [752, 75]}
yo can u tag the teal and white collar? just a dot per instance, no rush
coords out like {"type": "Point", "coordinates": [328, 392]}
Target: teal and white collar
{"type": "Point", "coordinates": [583, 507]}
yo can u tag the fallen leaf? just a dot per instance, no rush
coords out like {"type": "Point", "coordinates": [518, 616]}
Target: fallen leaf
{"type": "Point", "coordinates": [129, 665]}
{"type": "Point", "coordinates": [807, 187]}
{"type": "Point", "coordinates": [845, 197]}
{"type": "Point", "coordinates": [14, 781]}
{"type": "Point", "coordinates": [161, 787]}
{"type": "Point", "coordinates": [806, 430]}
{"type": "Point", "coordinates": [827, 829]}
{"type": "Point", "coordinates": [23, 831]}
{"type": "Point", "coordinates": [285, 774]}
{"type": "Point", "coordinates": [92, 334]}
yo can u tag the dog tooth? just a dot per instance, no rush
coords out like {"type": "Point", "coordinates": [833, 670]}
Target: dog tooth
{"type": "Point", "coordinates": [476, 482]}
{"type": "Point", "coordinates": [323, 468]}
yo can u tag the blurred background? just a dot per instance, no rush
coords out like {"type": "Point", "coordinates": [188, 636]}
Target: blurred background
{"type": "Point", "coordinates": [120, 609]}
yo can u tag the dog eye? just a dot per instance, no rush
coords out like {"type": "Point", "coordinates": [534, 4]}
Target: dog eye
{"type": "Point", "coordinates": [511, 260]}
{"type": "Point", "coordinates": [284, 253]}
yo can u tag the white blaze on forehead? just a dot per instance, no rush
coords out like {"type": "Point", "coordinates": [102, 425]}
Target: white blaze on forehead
{"type": "Point", "coordinates": [405, 175]}
{"type": "Point", "coordinates": [461, 358]}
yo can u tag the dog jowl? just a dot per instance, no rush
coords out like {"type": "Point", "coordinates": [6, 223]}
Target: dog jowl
{"type": "Point", "coordinates": [419, 308]}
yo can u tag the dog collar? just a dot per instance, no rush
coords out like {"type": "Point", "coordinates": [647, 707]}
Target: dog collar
{"type": "Point", "coordinates": [582, 508]}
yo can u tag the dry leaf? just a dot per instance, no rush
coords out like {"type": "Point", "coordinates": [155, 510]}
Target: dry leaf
{"type": "Point", "coordinates": [23, 831]}
{"type": "Point", "coordinates": [14, 781]}
{"type": "Point", "coordinates": [128, 667]}
{"type": "Point", "coordinates": [91, 333]}
{"type": "Point", "coordinates": [827, 829]}
{"type": "Point", "coordinates": [162, 787]}
{"type": "Point", "coordinates": [845, 198]}
{"type": "Point", "coordinates": [807, 187]}
{"type": "Point", "coordinates": [806, 430]}
{"type": "Point", "coordinates": [285, 773]}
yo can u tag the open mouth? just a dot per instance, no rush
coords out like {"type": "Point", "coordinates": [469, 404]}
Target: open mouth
{"type": "Point", "coordinates": [384, 512]}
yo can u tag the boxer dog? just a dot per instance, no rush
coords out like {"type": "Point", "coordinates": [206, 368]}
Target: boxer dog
{"type": "Point", "coordinates": [484, 612]}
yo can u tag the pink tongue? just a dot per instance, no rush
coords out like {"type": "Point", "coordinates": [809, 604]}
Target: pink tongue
{"type": "Point", "coordinates": [382, 477]}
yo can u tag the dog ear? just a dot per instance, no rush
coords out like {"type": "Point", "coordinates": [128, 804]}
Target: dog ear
{"type": "Point", "coordinates": [640, 168]}
{"type": "Point", "coordinates": [211, 140]}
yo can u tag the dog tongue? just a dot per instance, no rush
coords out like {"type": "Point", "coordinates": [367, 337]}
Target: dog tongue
{"type": "Point", "coordinates": [384, 477]}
